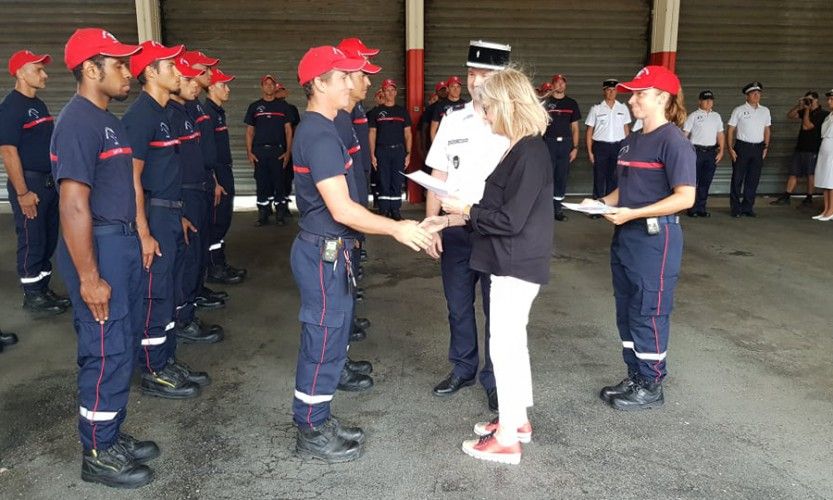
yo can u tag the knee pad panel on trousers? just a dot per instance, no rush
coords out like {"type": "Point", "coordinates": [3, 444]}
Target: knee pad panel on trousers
{"type": "Point", "coordinates": [656, 302]}
{"type": "Point", "coordinates": [117, 337]}
{"type": "Point", "coordinates": [326, 327]}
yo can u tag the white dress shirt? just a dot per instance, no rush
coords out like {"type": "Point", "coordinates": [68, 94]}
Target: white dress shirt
{"type": "Point", "coordinates": [703, 127]}
{"type": "Point", "coordinates": [608, 123]}
{"type": "Point", "coordinates": [750, 122]}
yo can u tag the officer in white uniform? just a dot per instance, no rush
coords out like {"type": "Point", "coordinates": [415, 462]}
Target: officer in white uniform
{"type": "Point", "coordinates": [607, 126]}
{"type": "Point", "coordinates": [749, 134]}
{"type": "Point", "coordinates": [705, 129]}
{"type": "Point", "coordinates": [463, 154]}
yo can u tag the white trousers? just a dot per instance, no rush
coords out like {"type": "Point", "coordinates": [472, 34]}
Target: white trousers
{"type": "Point", "coordinates": [511, 300]}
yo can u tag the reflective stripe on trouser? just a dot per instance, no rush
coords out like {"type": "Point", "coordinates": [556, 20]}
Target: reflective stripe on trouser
{"type": "Point", "coordinates": [605, 154]}
{"type": "Point", "coordinates": [509, 316]}
{"type": "Point", "coordinates": [326, 309]}
{"type": "Point", "coordinates": [269, 176]}
{"type": "Point", "coordinates": [459, 285]}
{"type": "Point", "coordinates": [746, 173]}
{"type": "Point", "coordinates": [38, 237]}
{"type": "Point", "coordinates": [560, 157]}
{"type": "Point", "coordinates": [645, 269]}
{"type": "Point", "coordinates": [195, 209]}
{"type": "Point", "coordinates": [706, 166]}
{"type": "Point", "coordinates": [221, 217]}
{"type": "Point", "coordinates": [160, 288]}
{"type": "Point", "coordinates": [390, 162]}
{"type": "Point", "coordinates": [106, 352]}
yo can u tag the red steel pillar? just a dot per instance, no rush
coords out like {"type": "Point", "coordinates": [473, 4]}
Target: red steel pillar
{"type": "Point", "coordinates": [415, 84]}
{"type": "Point", "coordinates": [666, 20]}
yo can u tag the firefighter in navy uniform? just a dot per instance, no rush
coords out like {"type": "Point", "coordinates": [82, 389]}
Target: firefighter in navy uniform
{"type": "Point", "coordinates": [268, 146]}
{"type": "Point", "coordinates": [158, 178]}
{"type": "Point", "coordinates": [440, 93]}
{"type": "Point", "coordinates": [99, 255]}
{"type": "Point", "coordinates": [281, 93]}
{"type": "Point", "coordinates": [25, 130]}
{"type": "Point", "coordinates": [453, 101]}
{"type": "Point", "coordinates": [219, 270]}
{"type": "Point", "coordinates": [657, 179]}
{"type": "Point", "coordinates": [390, 149]}
{"type": "Point", "coordinates": [561, 138]}
{"type": "Point", "coordinates": [320, 256]}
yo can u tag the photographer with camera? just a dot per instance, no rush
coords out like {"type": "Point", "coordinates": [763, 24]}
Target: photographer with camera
{"type": "Point", "coordinates": [803, 164]}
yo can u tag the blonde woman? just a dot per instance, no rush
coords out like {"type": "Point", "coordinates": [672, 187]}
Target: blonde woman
{"type": "Point", "coordinates": [512, 241]}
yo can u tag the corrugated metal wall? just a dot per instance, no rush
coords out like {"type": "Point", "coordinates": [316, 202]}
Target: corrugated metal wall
{"type": "Point", "coordinates": [587, 41]}
{"type": "Point", "coordinates": [44, 26]}
{"type": "Point", "coordinates": [724, 44]}
{"type": "Point", "coordinates": [253, 38]}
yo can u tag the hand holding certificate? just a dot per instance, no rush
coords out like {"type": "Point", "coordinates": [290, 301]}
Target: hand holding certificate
{"type": "Point", "coordinates": [436, 186]}
{"type": "Point", "coordinates": [590, 207]}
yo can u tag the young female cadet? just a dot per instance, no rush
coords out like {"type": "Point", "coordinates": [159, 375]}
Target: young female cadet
{"type": "Point", "coordinates": [657, 179]}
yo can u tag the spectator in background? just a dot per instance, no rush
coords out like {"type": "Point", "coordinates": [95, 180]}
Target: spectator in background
{"type": "Point", "coordinates": [809, 112]}
{"type": "Point", "coordinates": [824, 164]}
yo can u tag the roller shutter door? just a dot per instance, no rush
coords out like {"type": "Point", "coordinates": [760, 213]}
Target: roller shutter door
{"type": "Point", "coordinates": [724, 44]}
{"type": "Point", "coordinates": [587, 41]}
{"type": "Point", "coordinates": [44, 26]}
{"type": "Point", "coordinates": [253, 38]}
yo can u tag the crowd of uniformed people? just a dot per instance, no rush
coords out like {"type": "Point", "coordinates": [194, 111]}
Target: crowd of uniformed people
{"type": "Point", "coordinates": [144, 204]}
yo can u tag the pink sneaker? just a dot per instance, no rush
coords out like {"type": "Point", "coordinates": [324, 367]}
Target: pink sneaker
{"type": "Point", "coordinates": [486, 428]}
{"type": "Point", "coordinates": [487, 448]}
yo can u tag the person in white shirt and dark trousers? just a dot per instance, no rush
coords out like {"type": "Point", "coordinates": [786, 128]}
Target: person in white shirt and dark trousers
{"type": "Point", "coordinates": [705, 129]}
{"type": "Point", "coordinates": [607, 126]}
{"type": "Point", "coordinates": [749, 134]}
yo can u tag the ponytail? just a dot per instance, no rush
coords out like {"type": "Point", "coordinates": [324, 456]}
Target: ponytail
{"type": "Point", "coordinates": [675, 109]}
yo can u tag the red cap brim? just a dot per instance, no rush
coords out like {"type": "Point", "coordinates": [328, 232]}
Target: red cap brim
{"type": "Point", "coordinates": [349, 65]}
{"type": "Point", "coordinates": [121, 50]}
{"type": "Point", "coordinates": [371, 68]}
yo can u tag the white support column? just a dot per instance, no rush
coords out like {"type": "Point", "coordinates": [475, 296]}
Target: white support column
{"type": "Point", "coordinates": [149, 20]}
{"type": "Point", "coordinates": [665, 22]}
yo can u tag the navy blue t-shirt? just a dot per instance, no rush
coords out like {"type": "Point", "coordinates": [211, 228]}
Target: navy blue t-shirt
{"type": "Point", "coordinates": [154, 142]}
{"type": "Point", "coordinates": [295, 116]}
{"type": "Point", "coordinates": [25, 123]}
{"type": "Point", "coordinates": [189, 150]}
{"type": "Point", "coordinates": [349, 139]}
{"type": "Point", "coordinates": [425, 119]}
{"type": "Point", "coordinates": [318, 155]}
{"type": "Point", "coordinates": [362, 129]}
{"type": "Point", "coordinates": [203, 123]}
{"type": "Point", "coordinates": [390, 123]}
{"type": "Point", "coordinates": [651, 165]}
{"type": "Point", "coordinates": [91, 146]}
{"type": "Point", "coordinates": [221, 137]}
{"type": "Point", "coordinates": [563, 113]}
{"type": "Point", "coordinates": [445, 106]}
{"type": "Point", "coordinates": [268, 118]}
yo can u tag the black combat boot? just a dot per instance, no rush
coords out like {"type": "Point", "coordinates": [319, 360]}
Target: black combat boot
{"type": "Point", "coordinates": [615, 390]}
{"type": "Point", "coordinates": [114, 467]}
{"type": "Point", "coordinates": [200, 378]}
{"type": "Point", "coordinates": [325, 443]}
{"type": "Point", "coordinates": [349, 433]}
{"type": "Point", "coordinates": [360, 367]}
{"type": "Point", "coordinates": [54, 297]}
{"type": "Point", "coordinates": [262, 216]}
{"type": "Point", "coordinates": [141, 451]}
{"type": "Point", "coordinates": [350, 381]}
{"type": "Point", "coordinates": [223, 275]}
{"type": "Point", "coordinates": [40, 303]}
{"type": "Point", "coordinates": [168, 383]}
{"type": "Point", "coordinates": [196, 332]}
{"type": "Point", "coordinates": [642, 395]}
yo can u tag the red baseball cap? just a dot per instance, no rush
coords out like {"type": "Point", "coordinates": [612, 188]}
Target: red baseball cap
{"type": "Point", "coordinates": [355, 46]}
{"type": "Point", "coordinates": [558, 76]}
{"type": "Point", "coordinates": [652, 77]}
{"type": "Point", "coordinates": [197, 57]}
{"type": "Point", "coordinates": [352, 48]}
{"type": "Point", "coordinates": [545, 87]}
{"type": "Point", "coordinates": [453, 79]}
{"type": "Point", "coordinates": [90, 42]}
{"type": "Point", "coordinates": [279, 86]}
{"type": "Point", "coordinates": [440, 85]}
{"type": "Point", "coordinates": [320, 60]}
{"type": "Point", "coordinates": [268, 77]}
{"type": "Point", "coordinates": [388, 83]}
{"type": "Point", "coordinates": [23, 57]}
{"type": "Point", "coordinates": [184, 67]}
{"type": "Point", "coordinates": [151, 52]}
{"type": "Point", "coordinates": [218, 76]}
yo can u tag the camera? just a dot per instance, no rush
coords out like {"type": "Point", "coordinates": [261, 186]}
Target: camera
{"type": "Point", "coordinates": [806, 101]}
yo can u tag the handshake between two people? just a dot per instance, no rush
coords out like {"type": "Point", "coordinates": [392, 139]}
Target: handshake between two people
{"type": "Point", "coordinates": [426, 234]}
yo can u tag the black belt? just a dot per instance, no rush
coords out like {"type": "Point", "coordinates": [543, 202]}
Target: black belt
{"type": "Point", "coordinates": [158, 202]}
{"type": "Point", "coordinates": [705, 148]}
{"type": "Point", "coordinates": [558, 139]}
{"type": "Point", "coordinates": [317, 240]}
{"type": "Point", "coordinates": [46, 177]}
{"type": "Point", "coordinates": [390, 146]}
{"type": "Point", "coordinates": [738, 141]}
{"type": "Point", "coordinates": [196, 186]}
{"type": "Point", "coordinates": [269, 146]}
{"type": "Point", "coordinates": [124, 229]}
{"type": "Point", "coordinates": [663, 219]}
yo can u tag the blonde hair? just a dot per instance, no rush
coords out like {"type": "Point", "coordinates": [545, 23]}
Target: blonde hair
{"type": "Point", "coordinates": [517, 108]}
{"type": "Point", "coordinates": [675, 109]}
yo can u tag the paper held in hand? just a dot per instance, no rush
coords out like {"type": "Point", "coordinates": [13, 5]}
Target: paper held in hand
{"type": "Point", "coordinates": [595, 208]}
{"type": "Point", "coordinates": [436, 186]}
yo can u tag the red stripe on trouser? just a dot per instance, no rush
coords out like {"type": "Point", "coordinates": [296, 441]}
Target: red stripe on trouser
{"type": "Point", "coordinates": [98, 384]}
{"type": "Point", "coordinates": [659, 300]}
{"type": "Point", "coordinates": [326, 333]}
{"type": "Point", "coordinates": [147, 319]}
{"type": "Point", "coordinates": [26, 255]}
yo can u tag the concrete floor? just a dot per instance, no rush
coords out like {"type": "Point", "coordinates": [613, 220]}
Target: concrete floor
{"type": "Point", "coordinates": [749, 396]}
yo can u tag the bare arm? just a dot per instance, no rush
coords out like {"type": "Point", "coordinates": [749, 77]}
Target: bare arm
{"type": "Point", "coordinates": [806, 123]}
{"type": "Point", "coordinates": [574, 132]}
{"type": "Point", "coordinates": [77, 229]}
{"type": "Point", "coordinates": [588, 140]}
{"type": "Point", "coordinates": [372, 138]}
{"type": "Point", "coordinates": [28, 200]}
{"type": "Point", "coordinates": [434, 127]}
{"type": "Point", "coordinates": [345, 211]}
{"type": "Point", "coordinates": [721, 146]}
{"type": "Point", "coordinates": [767, 137]}
{"type": "Point", "coordinates": [287, 128]}
{"type": "Point", "coordinates": [682, 198]}
{"type": "Point", "coordinates": [150, 246]}
{"type": "Point", "coordinates": [730, 142]}
{"type": "Point", "coordinates": [408, 142]}
{"type": "Point", "coordinates": [250, 137]}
